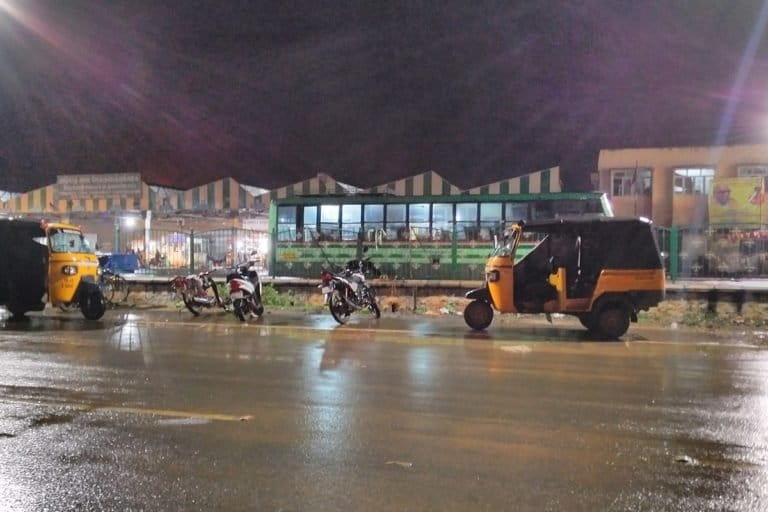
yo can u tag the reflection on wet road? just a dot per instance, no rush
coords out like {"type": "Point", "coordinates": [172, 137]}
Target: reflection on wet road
{"type": "Point", "coordinates": [162, 411]}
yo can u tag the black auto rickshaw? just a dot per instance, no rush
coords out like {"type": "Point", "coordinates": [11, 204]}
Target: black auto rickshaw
{"type": "Point", "coordinates": [53, 262]}
{"type": "Point", "coordinates": [603, 271]}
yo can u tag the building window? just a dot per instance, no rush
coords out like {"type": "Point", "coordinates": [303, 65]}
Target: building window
{"type": "Point", "coordinates": [752, 170]}
{"type": "Point", "coordinates": [631, 182]}
{"type": "Point", "coordinates": [693, 180]}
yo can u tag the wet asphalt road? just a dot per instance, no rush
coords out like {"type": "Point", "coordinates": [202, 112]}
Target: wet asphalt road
{"type": "Point", "coordinates": [162, 411]}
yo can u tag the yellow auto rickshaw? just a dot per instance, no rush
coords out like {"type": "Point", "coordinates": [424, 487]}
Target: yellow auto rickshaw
{"type": "Point", "coordinates": [601, 270]}
{"type": "Point", "coordinates": [39, 260]}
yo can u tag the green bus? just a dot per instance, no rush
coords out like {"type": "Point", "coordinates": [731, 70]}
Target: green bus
{"type": "Point", "coordinates": [413, 237]}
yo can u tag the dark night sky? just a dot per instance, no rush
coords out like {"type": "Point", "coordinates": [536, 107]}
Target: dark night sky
{"type": "Point", "coordinates": [273, 92]}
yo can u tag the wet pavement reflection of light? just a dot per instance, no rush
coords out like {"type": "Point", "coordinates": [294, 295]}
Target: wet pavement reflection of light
{"type": "Point", "coordinates": [532, 415]}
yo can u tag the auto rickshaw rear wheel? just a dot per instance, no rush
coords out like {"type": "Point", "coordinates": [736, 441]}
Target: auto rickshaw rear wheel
{"type": "Point", "coordinates": [478, 314]}
{"type": "Point", "coordinates": [612, 319]}
{"type": "Point", "coordinates": [17, 312]}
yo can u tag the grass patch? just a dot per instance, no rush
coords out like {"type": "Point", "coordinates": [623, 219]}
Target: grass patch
{"type": "Point", "coordinates": [270, 296]}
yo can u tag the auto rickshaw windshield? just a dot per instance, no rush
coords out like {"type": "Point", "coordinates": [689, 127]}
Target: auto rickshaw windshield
{"type": "Point", "coordinates": [506, 246]}
{"type": "Point", "coordinates": [69, 240]}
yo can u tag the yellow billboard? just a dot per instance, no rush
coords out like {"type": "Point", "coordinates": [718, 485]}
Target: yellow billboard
{"type": "Point", "coordinates": [737, 201]}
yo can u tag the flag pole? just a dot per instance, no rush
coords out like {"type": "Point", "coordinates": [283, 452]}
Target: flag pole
{"type": "Point", "coordinates": [634, 180]}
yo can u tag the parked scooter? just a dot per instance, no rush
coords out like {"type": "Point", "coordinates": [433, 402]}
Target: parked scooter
{"type": "Point", "coordinates": [245, 291]}
{"type": "Point", "coordinates": [348, 291]}
{"type": "Point", "coordinates": [198, 292]}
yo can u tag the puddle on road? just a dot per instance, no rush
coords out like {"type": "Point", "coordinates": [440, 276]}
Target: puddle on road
{"type": "Point", "coordinates": [183, 422]}
{"type": "Point", "coordinates": [515, 349]}
{"type": "Point", "coordinates": [51, 419]}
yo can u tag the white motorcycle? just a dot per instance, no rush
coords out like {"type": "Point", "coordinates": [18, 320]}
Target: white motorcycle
{"type": "Point", "coordinates": [245, 292]}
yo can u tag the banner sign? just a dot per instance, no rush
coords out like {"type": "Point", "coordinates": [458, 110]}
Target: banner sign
{"type": "Point", "coordinates": [737, 201]}
{"type": "Point", "coordinates": [91, 186]}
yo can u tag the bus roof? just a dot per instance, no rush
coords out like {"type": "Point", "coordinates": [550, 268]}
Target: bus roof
{"type": "Point", "coordinates": [568, 224]}
{"type": "Point", "coordinates": [459, 198]}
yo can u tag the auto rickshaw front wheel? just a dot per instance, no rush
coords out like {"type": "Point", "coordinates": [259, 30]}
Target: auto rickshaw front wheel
{"type": "Point", "coordinates": [93, 305]}
{"type": "Point", "coordinates": [478, 314]}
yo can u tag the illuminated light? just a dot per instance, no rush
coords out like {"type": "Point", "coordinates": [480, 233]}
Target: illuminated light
{"type": "Point", "coordinates": [129, 222]}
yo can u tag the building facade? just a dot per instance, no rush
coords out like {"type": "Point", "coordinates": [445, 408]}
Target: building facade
{"type": "Point", "coordinates": [677, 186]}
{"type": "Point", "coordinates": [712, 199]}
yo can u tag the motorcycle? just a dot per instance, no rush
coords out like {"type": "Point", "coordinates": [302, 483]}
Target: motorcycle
{"type": "Point", "coordinates": [198, 292]}
{"type": "Point", "coordinates": [348, 291]}
{"type": "Point", "coordinates": [245, 292]}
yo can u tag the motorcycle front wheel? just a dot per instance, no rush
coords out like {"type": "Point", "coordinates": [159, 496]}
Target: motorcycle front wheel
{"type": "Point", "coordinates": [373, 306]}
{"type": "Point", "coordinates": [338, 307]}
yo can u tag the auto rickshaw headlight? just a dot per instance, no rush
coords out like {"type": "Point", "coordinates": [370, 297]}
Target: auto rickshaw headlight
{"type": "Point", "coordinates": [493, 276]}
{"type": "Point", "coordinates": [69, 270]}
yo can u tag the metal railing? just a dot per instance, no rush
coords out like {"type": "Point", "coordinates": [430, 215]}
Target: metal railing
{"type": "Point", "coordinates": [721, 252]}
{"type": "Point", "coordinates": [164, 252]}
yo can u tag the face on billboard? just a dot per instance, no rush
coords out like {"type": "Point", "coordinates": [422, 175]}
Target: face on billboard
{"type": "Point", "coordinates": [736, 200]}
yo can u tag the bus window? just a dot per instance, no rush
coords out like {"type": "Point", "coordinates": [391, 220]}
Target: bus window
{"type": "Point", "coordinates": [396, 229]}
{"type": "Point", "coordinates": [490, 220]}
{"type": "Point", "coordinates": [543, 210]}
{"type": "Point", "coordinates": [442, 222]}
{"type": "Point", "coordinates": [373, 216]}
{"type": "Point", "coordinates": [351, 216]}
{"type": "Point", "coordinates": [329, 222]}
{"type": "Point", "coordinates": [466, 221]}
{"type": "Point", "coordinates": [310, 222]}
{"type": "Point", "coordinates": [418, 221]}
{"type": "Point", "coordinates": [515, 212]}
{"type": "Point", "coordinates": [286, 223]}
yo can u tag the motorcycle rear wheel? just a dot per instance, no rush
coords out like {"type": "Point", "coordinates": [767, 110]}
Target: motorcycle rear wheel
{"type": "Point", "coordinates": [339, 309]}
{"type": "Point", "coordinates": [190, 304]}
{"type": "Point", "coordinates": [258, 307]}
{"type": "Point", "coordinates": [239, 306]}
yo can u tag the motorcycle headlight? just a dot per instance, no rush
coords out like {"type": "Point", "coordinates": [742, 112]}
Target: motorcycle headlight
{"type": "Point", "coordinates": [69, 270]}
